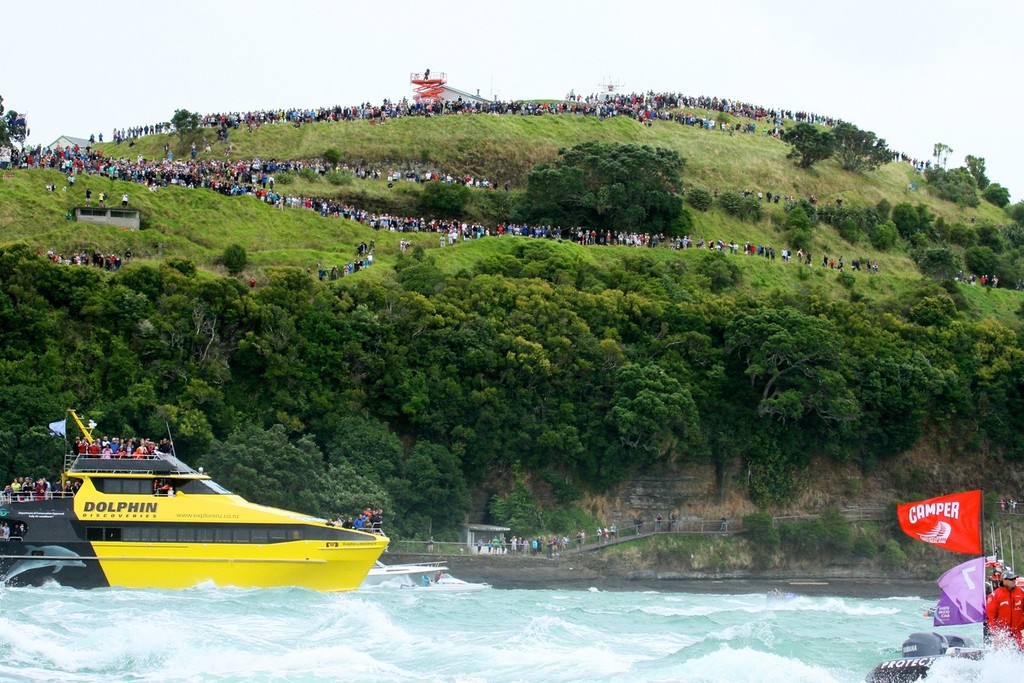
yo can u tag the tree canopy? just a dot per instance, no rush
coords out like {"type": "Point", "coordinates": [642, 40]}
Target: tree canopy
{"type": "Point", "coordinates": [811, 144]}
{"type": "Point", "coordinates": [607, 187]}
{"type": "Point", "coordinates": [859, 150]}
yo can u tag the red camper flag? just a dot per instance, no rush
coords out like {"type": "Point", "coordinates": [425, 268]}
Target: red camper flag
{"type": "Point", "coordinates": [951, 522]}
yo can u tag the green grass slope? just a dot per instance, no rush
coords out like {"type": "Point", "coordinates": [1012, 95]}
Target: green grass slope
{"type": "Point", "coordinates": [199, 224]}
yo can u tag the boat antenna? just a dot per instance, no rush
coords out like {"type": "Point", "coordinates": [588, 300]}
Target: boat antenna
{"type": "Point", "coordinates": [170, 438]}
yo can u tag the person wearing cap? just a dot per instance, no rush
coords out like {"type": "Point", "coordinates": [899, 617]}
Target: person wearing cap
{"type": "Point", "coordinates": [1005, 612]}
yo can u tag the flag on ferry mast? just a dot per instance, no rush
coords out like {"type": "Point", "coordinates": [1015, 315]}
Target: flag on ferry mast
{"type": "Point", "coordinates": [963, 595]}
{"type": "Point", "coordinates": [59, 428]}
{"type": "Point", "coordinates": [950, 522]}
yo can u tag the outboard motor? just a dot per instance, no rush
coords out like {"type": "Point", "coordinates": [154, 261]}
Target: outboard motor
{"type": "Point", "coordinates": [920, 651]}
{"type": "Point", "coordinates": [925, 645]}
{"type": "Point", "coordinates": [960, 641]}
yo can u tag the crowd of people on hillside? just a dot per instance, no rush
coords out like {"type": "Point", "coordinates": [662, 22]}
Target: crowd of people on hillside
{"type": "Point", "coordinates": [256, 177]}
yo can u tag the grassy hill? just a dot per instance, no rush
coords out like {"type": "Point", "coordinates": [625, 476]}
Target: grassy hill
{"type": "Point", "coordinates": [199, 224]}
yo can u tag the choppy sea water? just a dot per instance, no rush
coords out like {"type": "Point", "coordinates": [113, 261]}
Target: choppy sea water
{"type": "Point", "coordinates": [227, 635]}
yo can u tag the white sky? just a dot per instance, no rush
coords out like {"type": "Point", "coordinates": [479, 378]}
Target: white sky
{"type": "Point", "coordinates": [915, 72]}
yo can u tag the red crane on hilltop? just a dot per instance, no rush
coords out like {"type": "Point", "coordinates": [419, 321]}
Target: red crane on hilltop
{"type": "Point", "coordinates": [428, 86]}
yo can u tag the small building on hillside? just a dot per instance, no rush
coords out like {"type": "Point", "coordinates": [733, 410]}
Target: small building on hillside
{"type": "Point", "coordinates": [127, 219]}
{"type": "Point", "coordinates": [451, 94]}
{"type": "Point", "coordinates": [69, 141]}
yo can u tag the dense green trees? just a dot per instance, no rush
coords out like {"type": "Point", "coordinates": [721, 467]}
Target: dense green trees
{"type": "Point", "coordinates": [412, 390]}
{"type": "Point", "coordinates": [608, 187]}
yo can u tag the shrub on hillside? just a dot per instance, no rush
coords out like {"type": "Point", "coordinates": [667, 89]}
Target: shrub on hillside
{"type": "Point", "coordinates": [850, 231]}
{"type": "Point", "coordinates": [956, 185]}
{"type": "Point", "coordinates": [911, 220]}
{"type": "Point", "coordinates": [745, 208]}
{"type": "Point", "coordinates": [340, 177]}
{"type": "Point", "coordinates": [699, 198]}
{"type": "Point", "coordinates": [721, 271]}
{"type": "Point", "coordinates": [286, 178]}
{"type": "Point", "coordinates": [838, 534]}
{"type": "Point", "coordinates": [992, 237]}
{"type": "Point", "coordinates": [997, 194]}
{"type": "Point", "coordinates": [802, 538]}
{"type": "Point", "coordinates": [883, 236]}
{"type": "Point", "coordinates": [183, 266]}
{"type": "Point", "coordinates": [936, 262]}
{"type": "Point", "coordinates": [332, 156]}
{"type": "Point", "coordinates": [234, 258]}
{"type": "Point", "coordinates": [309, 175]}
{"type": "Point", "coordinates": [963, 234]}
{"type": "Point", "coordinates": [730, 201]}
{"type": "Point", "coordinates": [864, 547]}
{"type": "Point", "coordinates": [981, 260]}
{"type": "Point", "coordinates": [682, 225]}
{"type": "Point", "coordinates": [444, 199]}
{"type": "Point", "coordinates": [882, 209]}
{"type": "Point", "coordinates": [893, 556]}
{"type": "Point", "coordinates": [762, 536]}
{"type": "Point", "coordinates": [798, 229]}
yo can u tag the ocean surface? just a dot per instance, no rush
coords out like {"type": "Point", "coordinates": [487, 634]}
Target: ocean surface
{"type": "Point", "coordinates": [390, 634]}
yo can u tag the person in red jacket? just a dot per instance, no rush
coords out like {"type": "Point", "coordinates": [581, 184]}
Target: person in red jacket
{"type": "Point", "coordinates": [1005, 612]}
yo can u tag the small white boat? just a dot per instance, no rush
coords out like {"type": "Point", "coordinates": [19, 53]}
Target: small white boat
{"type": "Point", "coordinates": [445, 583]}
{"type": "Point", "coordinates": [402, 575]}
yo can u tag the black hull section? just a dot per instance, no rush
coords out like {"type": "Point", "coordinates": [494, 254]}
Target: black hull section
{"type": "Point", "coordinates": [909, 669]}
{"type": "Point", "coordinates": [68, 564]}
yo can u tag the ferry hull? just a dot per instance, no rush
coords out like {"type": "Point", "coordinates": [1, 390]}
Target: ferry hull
{"type": "Point", "coordinates": [317, 565]}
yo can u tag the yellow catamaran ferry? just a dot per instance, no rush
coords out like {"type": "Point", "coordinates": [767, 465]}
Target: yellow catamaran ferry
{"type": "Point", "coordinates": [154, 522]}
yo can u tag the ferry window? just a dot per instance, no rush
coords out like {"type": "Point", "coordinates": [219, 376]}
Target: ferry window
{"type": "Point", "coordinates": [217, 488]}
{"type": "Point", "coordinates": [204, 535]}
{"type": "Point", "coordinates": [131, 534]}
{"type": "Point", "coordinates": [112, 534]}
{"type": "Point", "coordinates": [259, 535]}
{"type": "Point", "coordinates": [202, 487]}
{"type": "Point", "coordinates": [296, 534]}
{"type": "Point", "coordinates": [241, 536]}
{"type": "Point", "coordinates": [94, 533]}
{"type": "Point", "coordinates": [109, 485]}
{"type": "Point", "coordinates": [186, 535]}
{"type": "Point", "coordinates": [150, 534]}
{"type": "Point", "coordinates": [278, 535]}
{"type": "Point", "coordinates": [168, 535]}
{"type": "Point", "coordinates": [223, 535]}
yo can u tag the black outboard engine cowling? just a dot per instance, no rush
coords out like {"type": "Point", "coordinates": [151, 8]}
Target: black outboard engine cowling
{"type": "Point", "coordinates": [920, 651]}
{"type": "Point", "coordinates": [925, 645]}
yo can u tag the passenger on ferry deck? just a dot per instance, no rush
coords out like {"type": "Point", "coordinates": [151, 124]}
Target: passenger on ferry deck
{"type": "Point", "coordinates": [115, 446]}
{"type": "Point", "coordinates": [94, 448]}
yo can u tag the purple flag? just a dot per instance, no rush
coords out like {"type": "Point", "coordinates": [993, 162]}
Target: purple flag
{"type": "Point", "coordinates": [963, 595]}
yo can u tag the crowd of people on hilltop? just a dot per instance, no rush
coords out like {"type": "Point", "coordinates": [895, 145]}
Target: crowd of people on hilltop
{"type": "Point", "coordinates": [255, 177]}
{"type": "Point", "coordinates": [644, 107]}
